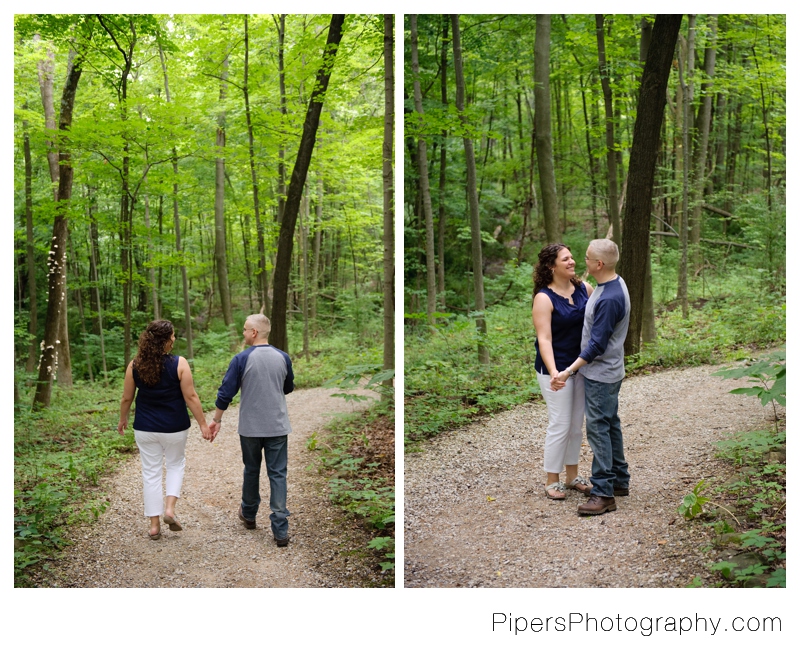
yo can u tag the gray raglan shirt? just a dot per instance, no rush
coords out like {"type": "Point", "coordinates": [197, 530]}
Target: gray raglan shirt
{"type": "Point", "coordinates": [264, 373]}
{"type": "Point", "coordinates": [605, 326]}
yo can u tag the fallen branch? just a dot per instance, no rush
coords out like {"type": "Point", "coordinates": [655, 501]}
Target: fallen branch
{"type": "Point", "coordinates": [712, 241]}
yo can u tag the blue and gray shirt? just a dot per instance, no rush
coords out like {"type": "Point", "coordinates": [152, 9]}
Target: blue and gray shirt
{"type": "Point", "coordinates": [264, 373]}
{"type": "Point", "coordinates": [605, 326]}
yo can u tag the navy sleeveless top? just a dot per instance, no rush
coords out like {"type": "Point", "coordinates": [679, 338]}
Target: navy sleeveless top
{"type": "Point", "coordinates": [161, 407]}
{"type": "Point", "coordinates": [566, 326]}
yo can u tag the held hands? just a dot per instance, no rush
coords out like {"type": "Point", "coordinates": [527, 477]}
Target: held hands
{"type": "Point", "coordinates": [213, 430]}
{"type": "Point", "coordinates": [558, 381]}
{"type": "Point", "coordinates": [206, 432]}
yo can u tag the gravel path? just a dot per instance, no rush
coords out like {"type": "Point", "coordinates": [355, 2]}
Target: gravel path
{"type": "Point", "coordinates": [455, 536]}
{"type": "Point", "coordinates": [214, 550]}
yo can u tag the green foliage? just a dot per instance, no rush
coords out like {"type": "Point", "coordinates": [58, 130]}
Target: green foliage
{"type": "Point", "coordinates": [769, 375]}
{"type": "Point", "coordinates": [360, 488]}
{"type": "Point", "coordinates": [692, 504]}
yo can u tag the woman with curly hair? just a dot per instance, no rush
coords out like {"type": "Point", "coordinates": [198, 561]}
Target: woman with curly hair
{"type": "Point", "coordinates": [161, 423]}
{"type": "Point", "coordinates": [559, 304]}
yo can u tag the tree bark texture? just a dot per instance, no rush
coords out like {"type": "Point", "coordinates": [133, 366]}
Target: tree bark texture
{"type": "Point", "coordinates": [283, 260]}
{"type": "Point", "coordinates": [220, 242]}
{"type": "Point", "coordinates": [644, 152]}
{"type": "Point", "coordinates": [611, 158]}
{"type": "Point", "coordinates": [56, 260]}
{"type": "Point", "coordinates": [542, 128]}
{"type": "Point", "coordinates": [388, 193]}
{"type": "Point", "coordinates": [424, 183]}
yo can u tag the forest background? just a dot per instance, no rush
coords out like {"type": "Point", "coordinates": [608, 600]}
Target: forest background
{"type": "Point", "coordinates": [665, 133]}
{"type": "Point", "coordinates": [178, 163]}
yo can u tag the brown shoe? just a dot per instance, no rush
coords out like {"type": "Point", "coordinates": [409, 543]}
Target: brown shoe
{"type": "Point", "coordinates": [596, 505]}
{"type": "Point", "coordinates": [249, 524]}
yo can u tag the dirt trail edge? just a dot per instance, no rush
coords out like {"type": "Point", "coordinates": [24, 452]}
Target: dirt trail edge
{"type": "Point", "coordinates": [214, 550]}
{"type": "Point", "coordinates": [476, 514]}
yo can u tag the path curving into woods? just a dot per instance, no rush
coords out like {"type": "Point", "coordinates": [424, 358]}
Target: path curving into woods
{"type": "Point", "coordinates": [476, 514]}
{"type": "Point", "coordinates": [214, 550]}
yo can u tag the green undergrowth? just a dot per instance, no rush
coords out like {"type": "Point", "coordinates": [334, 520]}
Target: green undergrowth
{"type": "Point", "coordinates": [62, 453]}
{"type": "Point", "coordinates": [361, 475]}
{"type": "Point", "coordinates": [445, 386]}
{"type": "Point", "coordinates": [743, 509]}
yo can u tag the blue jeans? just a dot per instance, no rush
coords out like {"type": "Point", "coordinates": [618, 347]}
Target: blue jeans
{"type": "Point", "coordinates": [276, 459]}
{"type": "Point", "coordinates": [603, 431]}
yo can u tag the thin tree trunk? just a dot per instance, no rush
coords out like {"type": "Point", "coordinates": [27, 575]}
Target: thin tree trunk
{"type": "Point", "coordinates": [442, 170]}
{"type": "Point", "coordinates": [279, 335]}
{"type": "Point", "coordinates": [472, 193]}
{"type": "Point", "coordinates": [187, 314]}
{"type": "Point", "coordinates": [263, 279]}
{"type": "Point", "coordinates": [220, 242]}
{"type": "Point", "coordinates": [424, 183]}
{"type": "Point", "coordinates": [687, 88]}
{"type": "Point", "coordinates": [316, 264]}
{"type": "Point", "coordinates": [388, 195]}
{"type": "Point", "coordinates": [280, 25]}
{"type": "Point", "coordinates": [701, 151]}
{"type": "Point", "coordinates": [611, 159]}
{"type": "Point", "coordinates": [33, 328]}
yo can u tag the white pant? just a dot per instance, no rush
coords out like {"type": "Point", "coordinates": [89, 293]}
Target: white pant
{"type": "Point", "coordinates": [565, 410]}
{"type": "Point", "coordinates": [154, 449]}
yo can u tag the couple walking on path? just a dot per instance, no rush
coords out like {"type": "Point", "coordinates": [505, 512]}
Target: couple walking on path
{"type": "Point", "coordinates": [580, 336]}
{"type": "Point", "coordinates": [161, 424]}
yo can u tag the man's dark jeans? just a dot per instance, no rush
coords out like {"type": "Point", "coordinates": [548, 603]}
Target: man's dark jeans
{"type": "Point", "coordinates": [603, 431]}
{"type": "Point", "coordinates": [276, 459]}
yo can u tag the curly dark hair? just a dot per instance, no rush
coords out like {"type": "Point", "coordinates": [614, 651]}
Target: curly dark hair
{"type": "Point", "coordinates": [149, 360]}
{"type": "Point", "coordinates": [543, 273]}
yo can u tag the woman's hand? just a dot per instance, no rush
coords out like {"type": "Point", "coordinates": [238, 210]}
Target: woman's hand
{"type": "Point", "coordinates": [559, 380]}
{"type": "Point", "coordinates": [122, 426]}
{"type": "Point", "coordinates": [206, 433]}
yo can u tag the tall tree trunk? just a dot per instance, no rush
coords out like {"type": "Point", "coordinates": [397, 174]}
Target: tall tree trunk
{"type": "Point", "coordinates": [701, 149]}
{"type": "Point", "coordinates": [56, 260]}
{"type": "Point", "coordinates": [283, 260]}
{"type": "Point", "coordinates": [79, 302]}
{"type": "Point", "coordinates": [472, 194]}
{"type": "Point", "coordinates": [388, 194]}
{"type": "Point", "coordinates": [280, 25]}
{"type": "Point", "coordinates": [187, 309]}
{"type": "Point", "coordinates": [686, 70]}
{"type": "Point", "coordinates": [611, 158]}
{"type": "Point", "coordinates": [45, 68]}
{"type": "Point", "coordinates": [220, 242]}
{"type": "Point", "coordinates": [424, 183]}
{"type": "Point", "coordinates": [33, 328]}
{"type": "Point", "coordinates": [93, 275]}
{"type": "Point", "coordinates": [442, 170]}
{"type": "Point", "coordinates": [542, 128]}
{"type": "Point", "coordinates": [316, 263]}
{"type": "Point", "coordinates": [263, 279]}
{"type": "Point", "coordinates": [304, 211]}
{"type": "Point", "coordinates": [644, 152]}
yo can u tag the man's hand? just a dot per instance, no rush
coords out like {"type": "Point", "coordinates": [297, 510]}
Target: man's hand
{"type": "Point", "coordinates": [213, 429]}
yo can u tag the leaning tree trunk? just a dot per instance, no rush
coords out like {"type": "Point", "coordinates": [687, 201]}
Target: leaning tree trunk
{"type": "Point", "coordinates": [542, 128]}
{"type": "Point", "coordinates": [611, 158]}
{"type": "Point", "coordinates": [56, 260]}
{"type": "Point", "coordinates": [644, 152]}
{"type": "Point", "coordinates": [388, 193]}
{"type": "Point", "coordinates": [283, 259]}
{"type": "Point", "coordinates": [472, 194]}
{"type": "Point", "coordinates": [424, 183]}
